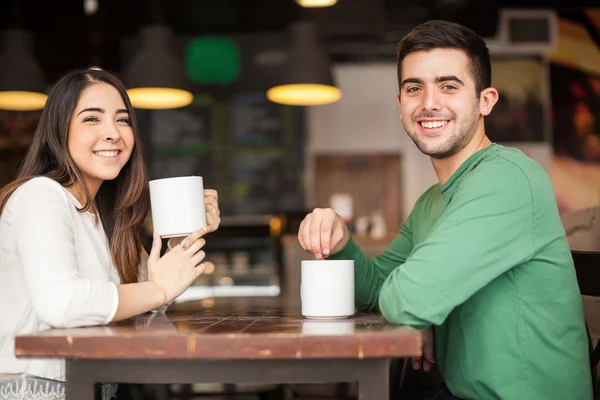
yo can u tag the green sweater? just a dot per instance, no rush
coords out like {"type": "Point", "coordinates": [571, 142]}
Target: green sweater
{"type": "Point", "coordinates": [484, 259]}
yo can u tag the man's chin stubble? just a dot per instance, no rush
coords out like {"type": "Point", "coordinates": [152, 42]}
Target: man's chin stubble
{"type": "Point", "coordinates": [437, 154]}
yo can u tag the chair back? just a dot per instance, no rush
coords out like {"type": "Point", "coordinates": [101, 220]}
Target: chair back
{"type": "Point", "coordinates": [587, 268]}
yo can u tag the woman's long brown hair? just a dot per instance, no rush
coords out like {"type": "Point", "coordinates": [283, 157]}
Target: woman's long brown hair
{"type": "Point", "coordinates": [121, 203]}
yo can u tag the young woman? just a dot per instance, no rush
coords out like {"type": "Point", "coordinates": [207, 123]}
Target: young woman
{"type": "Point", "coordinates": [70, 251]}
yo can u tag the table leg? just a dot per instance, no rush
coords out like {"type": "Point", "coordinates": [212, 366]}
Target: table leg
{"type": "Point", "coordinates": [373, 383]}
{"type": "Point", "coordinates": [79, 385]}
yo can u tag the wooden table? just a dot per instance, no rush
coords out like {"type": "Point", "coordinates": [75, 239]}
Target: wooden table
{"type": "Point", "coordinates": [228, 341]}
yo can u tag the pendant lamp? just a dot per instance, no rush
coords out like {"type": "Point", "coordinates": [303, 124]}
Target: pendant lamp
{"type": "Point", "coordinates": [316, 3]}
{"type": "Point", "coordinates": [156, 77]}
{"type": "Point", "coordinates": [306, 79]}
{"type": "Point", "coordinates": [22, 82]}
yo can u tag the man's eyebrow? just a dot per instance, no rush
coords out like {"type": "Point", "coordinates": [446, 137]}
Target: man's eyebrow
{"type": "Point", "coordinates": [439, 79]}
{"type": "Point", "coordinates": [411, 80]}
{"type": "Point", "coordinates": [447, 78]}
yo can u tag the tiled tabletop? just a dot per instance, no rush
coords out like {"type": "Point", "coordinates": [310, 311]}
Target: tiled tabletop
{"type": "Point", "coordinates": [228, 328]}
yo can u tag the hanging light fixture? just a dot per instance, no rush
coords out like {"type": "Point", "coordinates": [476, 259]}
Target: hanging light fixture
{"type": "Point", "coordinates": [307, 78]}
{"type": "Point", "coordinates": [22, 82]}
{"type": "Point", "coordinates": [156, 78]}
{"type": "Point", "coordinates": [316, 3]}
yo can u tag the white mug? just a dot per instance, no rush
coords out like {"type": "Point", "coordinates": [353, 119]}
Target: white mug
{"type": "Point", "coordinates": [327, 289]}
{"type": "Point", "coordinates": [177, 205]}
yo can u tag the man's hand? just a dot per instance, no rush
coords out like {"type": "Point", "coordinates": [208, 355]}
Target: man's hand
{"type": "Point", "coordinates": [428, 356]}
{"type": "Point", "coordinates": [323, 232]}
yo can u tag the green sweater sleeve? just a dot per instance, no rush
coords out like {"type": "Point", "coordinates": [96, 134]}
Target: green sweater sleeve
{"type": "Point", "coordinates": [485, 230]}
{"type": "Point", "coordinates": [369, 274]}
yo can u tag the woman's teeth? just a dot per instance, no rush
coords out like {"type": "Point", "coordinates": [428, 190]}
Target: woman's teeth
{"type": "Point", "coordinates": [107, 153]}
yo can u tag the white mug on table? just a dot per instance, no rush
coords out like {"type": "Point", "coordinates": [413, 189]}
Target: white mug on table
{"type": "Point", "coordinates": [177, 205]}
{"type": "Point", "coordinates": [327, 289]}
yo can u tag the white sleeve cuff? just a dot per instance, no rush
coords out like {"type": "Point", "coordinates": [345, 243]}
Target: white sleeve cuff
{"type": "Point", "coordinates": [114, 303]}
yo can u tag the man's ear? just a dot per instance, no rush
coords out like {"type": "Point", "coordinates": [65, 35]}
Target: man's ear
{"type": "Point", "coordinates": [487, 100]}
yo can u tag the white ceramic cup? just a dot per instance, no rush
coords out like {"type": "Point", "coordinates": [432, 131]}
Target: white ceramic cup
{"type": "Point", "coordinates": [177, 205]}
{"type": "Point", "coordinates": [327, 289]}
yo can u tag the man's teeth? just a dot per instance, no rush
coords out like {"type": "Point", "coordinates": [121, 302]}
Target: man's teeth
{"type": "Point", "coordinates": [433, 124]}
{"type": "Point", "coordinates": [107, 153]}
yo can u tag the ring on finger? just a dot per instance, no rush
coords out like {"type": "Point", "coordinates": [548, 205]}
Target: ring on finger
{"type": "Point", "coordinates": [184, 244]}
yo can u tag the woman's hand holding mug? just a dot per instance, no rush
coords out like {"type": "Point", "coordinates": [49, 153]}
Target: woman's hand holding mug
{"type": "Point", "coordinates": [175, 271]}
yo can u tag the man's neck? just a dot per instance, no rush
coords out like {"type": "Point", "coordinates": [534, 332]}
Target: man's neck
{"type": "Point", "coordinates": [445, 167]}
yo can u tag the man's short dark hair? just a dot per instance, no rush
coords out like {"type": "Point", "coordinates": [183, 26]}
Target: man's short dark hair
{"type": "Point", "coordinates": [437, 34]}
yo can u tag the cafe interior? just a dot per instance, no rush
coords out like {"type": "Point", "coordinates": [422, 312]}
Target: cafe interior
{"type": "Point", "coordinates": [225, 108]}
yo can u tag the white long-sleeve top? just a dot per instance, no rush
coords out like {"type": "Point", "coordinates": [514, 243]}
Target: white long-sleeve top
{"type": "Point", "coordinates": [55, 271]}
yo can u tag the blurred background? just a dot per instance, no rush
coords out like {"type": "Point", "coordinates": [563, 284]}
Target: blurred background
{"type": "Point", "coordinates": [284, 105]}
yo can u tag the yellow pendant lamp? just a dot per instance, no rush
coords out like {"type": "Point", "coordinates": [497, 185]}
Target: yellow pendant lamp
{"type": "Point", "coordinates": [22, 82]}
{"type": "Point", "coordinates": [307, 78]}
{"type": "Point", "coordinates": [156, 78]}
{"type": "Point", "coordinates": [316, 3]}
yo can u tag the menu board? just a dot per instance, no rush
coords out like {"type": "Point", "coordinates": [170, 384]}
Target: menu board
{"type": "Point", "coordinates": [248, 148]}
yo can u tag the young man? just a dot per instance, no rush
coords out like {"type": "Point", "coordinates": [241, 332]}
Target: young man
{"type": "Point", "coordinates": [482, 258]}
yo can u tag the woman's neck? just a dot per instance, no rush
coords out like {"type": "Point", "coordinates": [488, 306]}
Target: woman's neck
{"type": "Point", "coordinates": [78, 191]}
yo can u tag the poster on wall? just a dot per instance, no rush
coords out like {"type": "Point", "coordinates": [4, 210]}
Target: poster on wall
{"type": "Point", "coordinates": [518, 115]}
{"type": "Point", "coordinates": [575, 168]}
{"type": "Point", "coordinates": [575, 104]}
